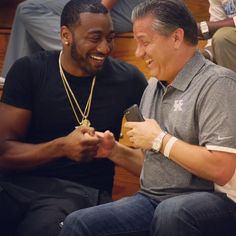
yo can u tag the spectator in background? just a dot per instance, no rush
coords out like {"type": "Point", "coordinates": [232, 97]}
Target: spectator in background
{"type": "Point", "coordinates": [47, 167]}
{"type": "Point", "coordinates": [221, 30]}
{"type": "Point", "coordinates": [36, 26]}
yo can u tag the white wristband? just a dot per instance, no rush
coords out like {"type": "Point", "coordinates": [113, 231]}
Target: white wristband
{"type": "Point", "coordinates": [169, 146]}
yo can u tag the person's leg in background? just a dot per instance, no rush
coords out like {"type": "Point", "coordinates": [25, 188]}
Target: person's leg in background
{"type": "Point", "coordinates": [36, 26]}
{"type": "Point", "coordinates": [224, 47]}
{"type": "Point", "coordinates": [195, 214]}
{"type": "Point", "coordinates": [129, 216]}
{"type": "Point", "coordinates": [121, 15]}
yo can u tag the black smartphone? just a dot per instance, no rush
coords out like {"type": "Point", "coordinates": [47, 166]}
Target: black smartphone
{"type": "Point", "coordinates": [133, 114]}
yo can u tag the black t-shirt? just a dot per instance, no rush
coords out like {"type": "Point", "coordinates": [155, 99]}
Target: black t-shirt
{"type": "Point", "coordinates": [34, 83]}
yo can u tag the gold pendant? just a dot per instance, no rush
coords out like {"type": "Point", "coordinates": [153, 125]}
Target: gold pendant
{"type": "Point", "coordinates": [85, 122]}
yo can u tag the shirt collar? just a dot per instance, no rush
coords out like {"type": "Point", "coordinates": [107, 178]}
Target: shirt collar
{"type": "Point", "coordinates": [189, 71]}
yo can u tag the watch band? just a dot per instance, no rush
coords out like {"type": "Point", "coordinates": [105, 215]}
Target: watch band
{"type": "Point", "coordinates": [204, 30]}
{"type": "Point", "coordinates": [156, 146]}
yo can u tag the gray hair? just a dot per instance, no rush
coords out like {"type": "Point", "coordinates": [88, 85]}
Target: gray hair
{"type": "Point", "coordinates": [169, 15]}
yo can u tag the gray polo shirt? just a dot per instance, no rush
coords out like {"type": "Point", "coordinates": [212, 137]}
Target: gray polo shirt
{"type": "Point", "coordinates": [199, 107]}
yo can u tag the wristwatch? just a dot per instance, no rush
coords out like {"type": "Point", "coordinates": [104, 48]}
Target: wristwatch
{"type": "Point", "coordinates": [204, 30]}
{"type": "Point", "coordinates": [156, 146]}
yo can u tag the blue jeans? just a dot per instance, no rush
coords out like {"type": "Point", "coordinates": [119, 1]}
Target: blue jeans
{"type": "Point", "coordinates": [191, 214]}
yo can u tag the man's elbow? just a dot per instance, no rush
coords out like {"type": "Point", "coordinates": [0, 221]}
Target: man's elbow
{"type": "Point", "coordinates": [223, 175]}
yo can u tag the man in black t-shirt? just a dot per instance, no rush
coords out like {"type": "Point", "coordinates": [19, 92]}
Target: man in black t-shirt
{"type": "Point", "coordinates": [49, 161]}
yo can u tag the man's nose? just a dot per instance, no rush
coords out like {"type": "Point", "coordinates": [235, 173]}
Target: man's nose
{"type": "Point", "coordinates": [104, 47]}
{"type": "Point", "coordinates": [139, 52]}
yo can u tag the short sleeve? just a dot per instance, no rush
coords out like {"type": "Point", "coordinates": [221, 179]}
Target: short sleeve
{"type": "Point", "coordinates": [217, 116]}
{"type": "Point", "coordinates": [17, 89]}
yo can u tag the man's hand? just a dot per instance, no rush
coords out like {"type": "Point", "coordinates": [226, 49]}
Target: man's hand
{"type": "Point", "coordinates": [142, 134]}
{"type": "Point", "coordinates": [81, 144]}
{"type": "Point", "coordinates": [106, 145]}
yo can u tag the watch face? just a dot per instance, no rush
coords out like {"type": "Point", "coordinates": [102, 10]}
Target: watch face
{"type": "Point", "coordinates": [204, 30]}
{"type": "Point", "coordinates": [204, 27]}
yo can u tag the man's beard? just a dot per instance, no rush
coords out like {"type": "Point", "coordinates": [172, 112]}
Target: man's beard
{"type": "Point", "coordinates": [82, 63]}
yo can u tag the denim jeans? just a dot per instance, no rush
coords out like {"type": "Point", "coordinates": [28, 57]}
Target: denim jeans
{"type": "Point", "coordinates": [200, 213]}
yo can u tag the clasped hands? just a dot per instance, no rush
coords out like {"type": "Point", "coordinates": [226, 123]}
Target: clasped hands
{"type": "Point", "coordinates": [84, 144]}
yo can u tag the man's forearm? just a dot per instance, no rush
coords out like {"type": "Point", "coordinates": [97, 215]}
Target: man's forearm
{"type": "Point", "coordinates": [19, 156]}
{"type": "Point", "coordinates": [215, 166]}
{"type": "Point", "coordinates": [214, 26]}
{"type": "Point", "coordinates": [128, 158]}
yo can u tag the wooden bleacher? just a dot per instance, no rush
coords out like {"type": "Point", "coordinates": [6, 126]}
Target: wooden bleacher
{"type": "Point", "coordinates": [125, 184]}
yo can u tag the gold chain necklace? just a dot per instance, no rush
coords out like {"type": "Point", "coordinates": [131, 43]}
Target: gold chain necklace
{"type": "Point", "coordinates": [71, 96]}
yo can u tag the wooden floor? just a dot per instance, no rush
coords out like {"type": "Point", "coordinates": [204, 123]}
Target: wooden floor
{"type": "Point", "coordinates": [125, 183]}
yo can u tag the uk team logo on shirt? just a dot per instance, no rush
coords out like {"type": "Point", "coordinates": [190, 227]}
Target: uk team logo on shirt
{"type": "Point", "coordinates": [178, 105]}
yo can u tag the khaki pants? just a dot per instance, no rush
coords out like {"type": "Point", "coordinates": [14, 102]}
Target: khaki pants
{"type": "Point", "coordinates": [224, 47]}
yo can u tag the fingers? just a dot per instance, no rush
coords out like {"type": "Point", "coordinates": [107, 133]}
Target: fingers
{"type": "Point", "coordinates": [100, 135]}
{"type": "Point", "coordinates": [84, 129]}
{"type": "Point", "coordinates": [89, 153]}
{"type": "Point", "coordinates": [90, 140]}
{"type": "Point", "coordinates": [108, 135]}
{"type": "Point", "coordinates": [131, 125]}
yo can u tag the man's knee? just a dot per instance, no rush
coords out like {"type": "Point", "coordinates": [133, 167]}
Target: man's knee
{"type": "Point", "coordinates": [172, 210]}
{"type": "Point", "coordinates": [78, 222]}
{"type": "Point", "coordinates": [223, 37]}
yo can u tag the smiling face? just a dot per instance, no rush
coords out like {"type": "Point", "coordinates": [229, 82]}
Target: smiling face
{"type": "Point", "coordinates": [154, 48]}
{"type": "Point", "coordinates": [90, 42]}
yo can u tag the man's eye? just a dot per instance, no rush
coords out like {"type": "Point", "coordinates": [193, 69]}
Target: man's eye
{"type": "Point", "coordinates": [95, 39]}
{"type": "Point", "coordinates": [110, 39]}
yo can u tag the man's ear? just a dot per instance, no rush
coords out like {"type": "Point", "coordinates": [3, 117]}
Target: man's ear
{"type": "Point", "coordinates": [178, 37]}
{"type": "Point", "coordinates": [65, 35]}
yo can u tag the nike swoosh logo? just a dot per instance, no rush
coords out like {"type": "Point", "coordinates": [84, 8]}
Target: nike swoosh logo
{"type": "Point", "coordinates": [224, 137]}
